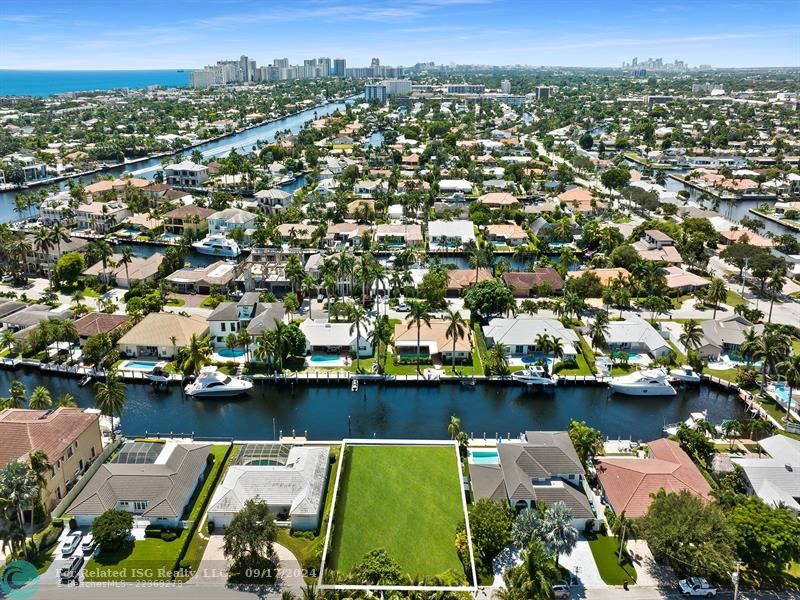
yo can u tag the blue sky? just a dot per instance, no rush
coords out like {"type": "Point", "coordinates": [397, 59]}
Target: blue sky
{"type": "Point", "coordinates": [147, 34]}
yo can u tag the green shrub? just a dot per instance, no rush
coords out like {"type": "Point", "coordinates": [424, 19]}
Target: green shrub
{"type": "Point", "coordinates": [153, 531]}
{"type": "Point", "coordinates": [210, 525]}
{"type": "Point", "coordinates": [168, 535]}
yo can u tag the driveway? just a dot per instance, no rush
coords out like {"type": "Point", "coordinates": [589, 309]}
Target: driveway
{"type": "Point", "coordinates": [581, 564]}
{"type": "Point", "coordinates": [59, 560]}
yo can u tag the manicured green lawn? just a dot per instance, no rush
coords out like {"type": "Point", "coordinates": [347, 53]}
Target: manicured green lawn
{"type": "Point", "coordinates": [150, 559]}
{"type": "Point", "coordinates": [734, 299]}
{"type": "Point", "coordinates": [175, 302]}
{"type": "Point", "coordinates": [726, 374]}
{"type": "Point", "coordinates": [583, 368]}
{"type": "Point", "coordinates": [605, 550]}
{"type": "Point", "coordinates": [403, 499]}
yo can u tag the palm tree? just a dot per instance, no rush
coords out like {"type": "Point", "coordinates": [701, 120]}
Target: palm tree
{"type": "Point", "coordinates": [456, 328]}
{"type": "Point", "coordinates": [43, 241]}
{"type": "Point", "coordinates": [772, 346]}
{"type": "Point", "coordinates": [542, 572]}
{"type": "Point", "coordinates": [497, 359]}
{"type": "Point", "coordinates": [749, 345]}
{"type": "Point", "coordinates": [60, 234]}
{"type": "Point", "coordinates": [790, 369]}
{"type": "Point", "coordinates": [244, 339]}
{"type": "Point", "coordinates": [125, 259]}
{"type": "Point", "coordinates": [78, 297]}
{"type": "Point", "coordinates": [478, 257]}
{"type": "Point", "coordinates": [454, 427]}
{"type": "Point", "coordinates": [692, 335]}
{"type": "Point", "coordinates": [102, 251]}
{"type": "Point", "coordinates": [41, 468]}
{"type": "Point", "coordinates": [18, 395]}
{"type": "Point", "coordinates": [775, 284]}
{"type": "Point", "coordinates": [109, 395]}
{"type": "Point", "coordinates": [67, 400]}
{"type": "Point", "coordinates": [197, 353]}
{"type": "Point", "coordinates": [598, 330]}
{"type": "Point", "coordinates": [7, 339]}
{"type": "Point", "coordinates": [559, 535]}
{"type": "Point", "coordinates": [418, 313]}
{"type": "Point", "coordinates": [18, 491]}
{"type": "Point", "coordinates": [573, 304]}
{"type": "Point", "coordinates": [358, 317]}
{"type": "Point", "coordinates": [280, 341]}
{"type": "Point", "coordinates": [716, 293]}
{"type": "Point", "coordinates": [40, 399]}
{"type": "Point", "coordinates": [265, 348]}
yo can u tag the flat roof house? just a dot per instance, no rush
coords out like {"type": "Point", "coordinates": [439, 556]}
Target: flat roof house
{"type": "Point", "coordinates": [70, 437]}
{"type": "Point", "coordinates": [775, 478]}
{"type": "Point", "coordinates": [628, 483]}
{"type": "Point", "coordinates": [154, 481]}
{"type": "Point", "coordinates": [450, 186]}
{"type": "Point", "coordinates": [294, 489]}
{"type": "Point", "coordinates": [323, 337]}
{"type": "Point", "coordinates": [153, 335]}
{"type": "Point", "coordinates": [519, 335]}
{"type": "Point", "coordinates": [543, 467]}
{"type": "Point", "coordinates": [635, 335]}
{"type": "Point", "coordinates": [200, 280]}
{"type": "Point", "coordinates": [450, 235]}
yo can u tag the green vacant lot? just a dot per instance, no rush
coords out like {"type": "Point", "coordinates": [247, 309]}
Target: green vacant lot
{"type": "Point", "coordinates": [403, 499]}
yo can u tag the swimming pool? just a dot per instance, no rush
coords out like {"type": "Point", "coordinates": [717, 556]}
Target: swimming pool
{"type": "Point", "coordinates": [323, 358]}
{"type": "Point", "coordinates": [230, 352]}
{"type": "Point", "coordinates": [484, 457]}
{"type": "Point", "coordinates": [138, 365]}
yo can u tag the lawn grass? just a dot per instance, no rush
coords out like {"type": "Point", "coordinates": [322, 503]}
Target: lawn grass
{"type": "Point", "coordinates": [605, 550]}
{"type": "Point", "coordinates": [403, 499]}
{"type": "Point", "coordinates": [44, 558]}
{"type": "Point", "coordinates": [175, 302]}
{"type": "Point", "coordinates": [726, 374]}
{"type": "Point", "coordinates": [583, 368]}
{"type": "Point", "coordinates": [733, 299]}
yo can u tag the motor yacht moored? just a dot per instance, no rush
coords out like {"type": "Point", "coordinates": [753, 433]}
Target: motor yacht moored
{"type": "Point", "coordinates": [213, 383]}
{"type": "Point", "coordinates": [648, 382]}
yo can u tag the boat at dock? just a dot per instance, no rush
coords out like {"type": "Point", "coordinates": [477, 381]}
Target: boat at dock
{"type": "Point", "coordinates": [535, 375]}
{"type": "Point", "coordinates": [217, 244]}
{"type": "Point", "coordinates": [647, 382]}
{"type": "Point", "coordinates": [213, 383]}
{"type": "Point", "coordinates": [685, 374]}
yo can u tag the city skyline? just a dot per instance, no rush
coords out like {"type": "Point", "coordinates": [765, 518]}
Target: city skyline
{"type": "Point", "coordinates": [189, 34]}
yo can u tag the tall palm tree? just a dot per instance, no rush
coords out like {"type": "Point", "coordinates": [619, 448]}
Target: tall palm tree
{"type": "Point", "coordinates": [103, 252]}
{"type": "Point", "coordinates": [109, 395]}
{"type": "Point", "coordinates": [775, 283]}
{"type": "Point", "coordinates": [18, 491]}
{"type": "Point", "coordinates": [7, 339]}
{"type": "Point", "coordinates": [456, 328]}
{"type": "Point", "coordinates": [358, 317]}
{"type": "Point", "coordinates": [40, 399]}
{"type": "Point", "coordinates": [772, 346]}
{"type": "Point", "coordinates": [542, 572]}
{"type": "Point", "coordinates": [692, 335]}
{"type": "Point", "coordinates": [716, 293]}
{"type": "Point", "coordinates": [478, 257]}
{"type": "Point", "coordinates": [244, 339]}
{"type": "Point", "coordinates": [418, 313]}
{"type": "Point", "coordinates": [60, 234]}
{"type": "Point", "coordinates": [749, 345]}
{"type": "Point", "coordinates": [497, 359]}
{"type": "Point", "coordinates": [197, 353]}
{"type": "Point", "coordinates": [280, 341]}
{"type": "Point", "coordinates": [598, 330]}
{"type": "Point", "coordinates": [18, 395]}
{"type": "Point", "coordinates": [44, 241]}
{"type": "Point", "coordinates": [265, 348]}
{"type": "Point", "coordinates": [41, 468]}
{"type": "Point", "coordinates": [454, 427]}
{"type": "Point", "coordinates": [126, 258]}
{"type": "Point", "coordinates": [790, 370]}
{"type": "Point", "coordinates": [559, 535]}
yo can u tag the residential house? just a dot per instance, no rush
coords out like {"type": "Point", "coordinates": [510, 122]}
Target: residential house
{"type": "Point", "coordinates": [460, 280]}
{"type": "Point", "coordinates": [637, 336]}
{"type": "Point", "coordinates": [450, 235]}
{"type": "Point", "coordinates": [345, 234]}
{"type": "Point", "coordinates": [742, 236]}
{"type": "Point", "coordinates": [187, 220]}
{"type": "Point", "coordinates": [154, 481]}
{"type": "Point", "coordinates": [324, 337]}
{"type": "Point", "coordinates": [202, 280]}
{"type": "Point", "coordinates": [452, 186]}
{"type": "Point", "coordinates": [775, 476]}
{"type": "Point", "coordinates": [293, 486]}
{"type": "Point", "coordinates": [264, 269]}
{"type": "Point", "coordinates": [114, 189]}
{"type": "Point", "coordinates": [296, 233]}
{"type": "Point", "coordinates": [186, 174]}
{"type": "Point", "coordinates": [399, 236]}
{"type": "Point", "coordinates": [629, 483]}
{"type": "Point", "coordinates": [499, 200]}
{"type": "Point", "coordinates": [231, 219]}
{"type": "Point", "coordinates": [506, 234]}
{"type": "Point", "coordinates": [41, 262]}
{"type": "Point", "coordinates": [232, 317]}
{"type": "Point", "coordinates": [520, 333]}
{"type": "Point", "coordinates": [684, 281]}
{"type": "Point", "coordinates": [273, 200]}
{"type": "Point", "coordinates": [540, 468]}
{"type": "Point", "coordinates": [140, 270]}
{"type": "Point", "coordinates": [367, 188]}
{"type": "Point", "coordinates": [540, 281]}
{"type": "Point", "coordinates": [724, 336]}
{"type": "Point", "coordinates": [32, 315]}
{"type": "Point", "coordinates": [433, 342]}
{"type": "Point", "coordinates": [97, 323]}
{"type": "Point", "coordinates": [100, 217]}
{"type": "Point", "coordinates": [606, 276]}
{"type": "Point", "coordinates": [658, 246]}
{"type": "Point", "coordinates": [70, 437]}
{"type": "Point", "coordinates": [580, 200]}
{"type": "Point", "coordinates": [161, 335]}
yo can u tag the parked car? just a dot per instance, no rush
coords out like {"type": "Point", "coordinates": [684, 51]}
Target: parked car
{"type": "Point", "coordinates": [403, 307]}
{"type": "Point", "coordinates": [88, 545]}
{"type": "Point", "coordinates": [697, 586]}
{"type": "Point", "coordinates": [71, 544]}
{"type": "Point", "coordinates": [561, 590]}
{"type": "Point", "coordinates": [72, 570]}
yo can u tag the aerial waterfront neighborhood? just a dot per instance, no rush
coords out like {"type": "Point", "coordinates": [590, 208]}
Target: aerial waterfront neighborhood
{"type": "Point", "coordinates": [343, 328]}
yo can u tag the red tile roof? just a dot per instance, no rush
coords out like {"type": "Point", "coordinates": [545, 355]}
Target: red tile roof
{"type": "Point", "coordinates": [96, 323]}
{"type": "Point", "coordinates": [628, 482]}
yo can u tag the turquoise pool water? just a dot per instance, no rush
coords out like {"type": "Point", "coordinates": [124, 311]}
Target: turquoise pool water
{"type": "Point", "coordinates": [138, 365]}
{"type": "Point", "coordinates": [230, 352]}
{"type": "Point", "coordinates": [323, 358]}
{"type": "Point", "coordinates": [485, 457]}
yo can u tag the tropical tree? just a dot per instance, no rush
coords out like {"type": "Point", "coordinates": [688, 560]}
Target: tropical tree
{"type": "Point", "coordinates": [40, 399]}
{"type": "Point", "coordinates": [101, 250]}
{"type": "Point", "coordinates": [7, 339]}
{"type": "Point", "coordinates": [18, 395]}
{"type": "Point", "coordinates": [110, 395]}
{"type": "Point", "coordinates": [418, 314]}
{"type": "Point", "coordinates": [775, 284]}
{"type": "Point", "coordinates": [692, 335]}
{"type": "Point", "coordinates": [588, 441]}
{"type": "Point", "coordinates": [598, 330]}
{"type": "Point", "coordinates": [454, 427]}
{"type": "Point", "coordinates": [749, 345]}
{"type": "Point", "coordinates": [126, 258]}
{"type": "Point", "coordinates": [358, 319]}
{"type": "Point", "coordinates": [265, 348]}
{"type": "Point", "coordinates": [112, 528]}
{"type": "Point", "coordinates": [558, 534]}
{"type": "Point", "coordinates": [716, 293]}
{"type": "Point", "coordinates": [249, 538]}
{"type": "Point", "coordinates": [790, 370]}
{"type": "Point", "coordinates": [18, 490]}
{"type": "Point", "coordinates": [456, 329]}
{"type": "Point", "coordinates": [527, 525]}
{"type": "Point", "coordinates": [497, 359]}
{"type": "Point", "coordinates": [44, 241]}
{"type": "Point", "coordinates": [41, 469]}
{"type": "Point", "coordinates": [198, 352]}
{"type": "Point", "coordinates": [478, 257]}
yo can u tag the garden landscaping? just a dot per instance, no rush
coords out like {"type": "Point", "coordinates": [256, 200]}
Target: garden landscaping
{"type": "Point", "coordinates": [605, 550]}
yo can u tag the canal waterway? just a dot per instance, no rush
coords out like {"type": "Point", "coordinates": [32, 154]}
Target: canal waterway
{"type": "Point", "coordinates": [395, 411]}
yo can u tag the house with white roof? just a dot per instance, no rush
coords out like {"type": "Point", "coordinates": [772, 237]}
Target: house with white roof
{"type": "Point", "coordinates": [635, 335]}
{"type": "Point", "coordinates": [225, 221]}
{"type": "Point", "coordinates": [186, 173]}
{"type": "Point", "coordinates": [293, 487]}
{"type": "Point", "coordinates": [519, 335]}
{"type": "Point", "coordinates": [775, 478]}
{"type": "Point", "coordinates": [324, 337]}
{"type": "Point", "coordinates": [450, 235]}
{"type": "Point", "coordinates": [272, 200]}
{"type": "Point", "coordinates": [450, 186]}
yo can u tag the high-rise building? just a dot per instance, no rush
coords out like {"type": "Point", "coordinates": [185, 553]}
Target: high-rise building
{"type": "Point", "coordinates": [505, 86]}
{"type": "Point", "coordinates": [339, 66]}
{"type": "Point", "coordinates": [383, 90]}
{"type": "Point", "coordinates": [281, 63]}
{"type": "Point", "coordinates": [324, 64]}
{"type": "Point", "coordinates": [542, 92]}
{"type": "Point", "coordinates": [376, 62]}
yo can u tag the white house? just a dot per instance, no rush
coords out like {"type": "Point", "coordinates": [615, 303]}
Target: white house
{"type": "Point", "coordinates": [227, 220]}
{"type": "Point", "coordinates": [450, 234]}
{"type": "Point", "coordinates": [775, 478]}
{"type": "Point", "coordinates": [232, 317]}
{"type": "Point", "coordinates": [635, 335]}
{"type": "Point", "coordinates": [294, 489]}
{"type": "Point", "coordinates": [519, 335]}
{"type": "Point", "coordinates": [186, 173]}
{"type": "Point", "coordinates": [450, 186]}
{"type": "Point", "coordinates": [324, 337]}
{"type": "Point", "coordinates": [272, 200]}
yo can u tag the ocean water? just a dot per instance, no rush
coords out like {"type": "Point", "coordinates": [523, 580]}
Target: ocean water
{"type": "Point", "coordinates": [47, 83]}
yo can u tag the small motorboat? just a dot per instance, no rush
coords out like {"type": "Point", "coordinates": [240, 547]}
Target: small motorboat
{"type": "Point", "coordinates": [158, 376]}
{"type": "Point", "coordinates": [685, 374]}
{"type": "Point", "coordinates": [354, 385]}
{"type": "Point", "coordinates": [86, 380]}
{"type": "Point", "coordinates": [648, 382]}
{"type": "Point", "coordinates": [535, 375]}
{"type": "Point", "coordinates": [213, 383]}
{"type": "Point", "coordinates": [693, 422]}
{"type": "Point", "coordinates": [287, 179]}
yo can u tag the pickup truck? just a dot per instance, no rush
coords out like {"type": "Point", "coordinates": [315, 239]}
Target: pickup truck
{"type": "Point", "coordinates": [697, 586]}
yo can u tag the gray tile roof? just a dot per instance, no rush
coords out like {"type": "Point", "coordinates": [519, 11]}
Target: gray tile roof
{"type": "Point", "coordinates": [166, 487]}
{"type": "Point", "coordinates": [265, 320]}
{"type": "Point", "coordinates": [487, 482]}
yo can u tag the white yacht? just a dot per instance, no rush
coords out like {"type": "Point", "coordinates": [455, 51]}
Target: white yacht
{"type": "Point", "coordinates": [217, 244]}
{"type": "Point", "coordinates": [286, 179]}
{"type": "Point", "coordinates": [213, 383]}
{"type": "Point", "coordinates": [693, 422]}
{"type": "Point", "coordinates": [535, 375]}
{"type": "Point", "coordinates": [649, 382]}
{"type": "Point", "coordinates": [685, 374]}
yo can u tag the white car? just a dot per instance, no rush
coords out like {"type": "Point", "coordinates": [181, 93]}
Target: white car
{"type": "Point", "coordinates": [88, 545]}
{"type": "Point", "coordinates": [71, 543]}
{"type": "Point", "coordinates": [697, 586]}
